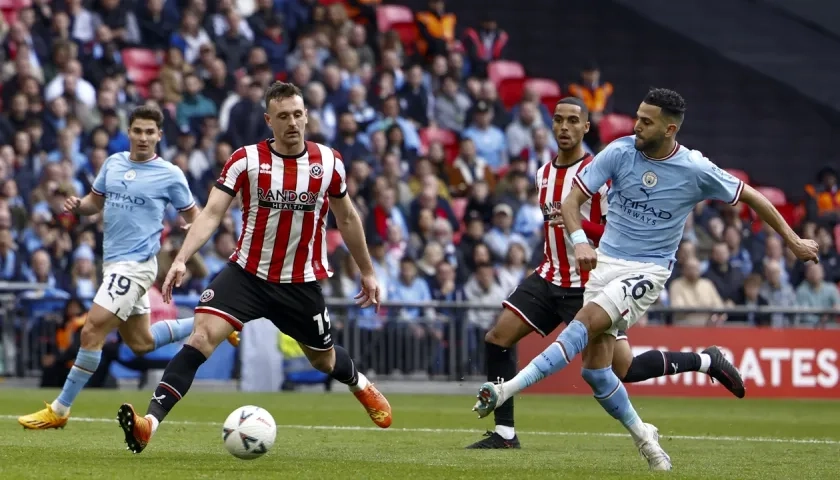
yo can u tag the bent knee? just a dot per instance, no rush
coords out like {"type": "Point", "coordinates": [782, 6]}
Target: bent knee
{"type": "Point", "coordinates": [322, 363]}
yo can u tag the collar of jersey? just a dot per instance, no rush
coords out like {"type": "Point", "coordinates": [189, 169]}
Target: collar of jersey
{"type": "Point", "coordinates": [270, 141]}
{"type": "Point", "coordinates": [666, 157]}
{"type": "Point", "coordinates": [584, 157]}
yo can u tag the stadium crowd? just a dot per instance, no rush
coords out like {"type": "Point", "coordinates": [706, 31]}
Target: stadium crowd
{"type": "Point", "coordinates": [446, 220]}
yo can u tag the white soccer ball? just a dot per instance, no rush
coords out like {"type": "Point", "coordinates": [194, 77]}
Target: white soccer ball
{"type": "Point", "coordinates": [249, 432]}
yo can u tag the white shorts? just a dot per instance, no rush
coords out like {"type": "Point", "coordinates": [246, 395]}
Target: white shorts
{"type": "Point", "coordinates": [624, 289]}
{"type": "Point", "coordinates": [124, 287]}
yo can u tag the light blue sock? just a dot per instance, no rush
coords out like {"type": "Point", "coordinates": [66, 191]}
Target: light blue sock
{"type": "Point", "coordinates": [170, 331]}
{"type": "Point", "coordinates": [87, 361]}
{"type": "Point", "coordinates": [553, 359]}
{"type": "Point", "coordinates": [611, 394]}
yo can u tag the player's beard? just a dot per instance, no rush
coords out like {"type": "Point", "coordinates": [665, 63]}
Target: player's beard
{"type": "Point", "coordinates": [651, 145]}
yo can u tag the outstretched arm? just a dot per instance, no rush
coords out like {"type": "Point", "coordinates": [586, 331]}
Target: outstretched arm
{"type": "Point", "coordinates": [805, 250]}
{"type": "Point", "coordinates": [204, 224]}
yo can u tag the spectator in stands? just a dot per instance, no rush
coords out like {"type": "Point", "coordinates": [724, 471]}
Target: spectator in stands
{"type": "Point", "coordinates": [774, 252]}
{"type": "Point", "coordinates": [484, 44]}
{"type": "Point", "coordinates": [190, 36]}
{"type": "Point", "coordinates": [726, 278]}
{"type": "Point", "coordinates": [749, 296]}
{"type": "Point", "coordinates": [451, 105]}
{"type": "Point", "coordinates": [501, 235]}
{"type": "Point", "coordinates": [740, 258]}
{"type": "Point", "coordinates": [815, 292]}
{"type": "Point", "coordinates": [514, 268]}
{"type": "Point", "coordinates": [829, 255]}
{"type": "Point", "coordinates": [489, 140]}
{"type": "Point", "coordinates": [415, 99]}
{"type": "Point", "coordinates": [155, 27]}
{"type": "Point", "coordinates": [483, 288]}
{"type": "Point", "coordinates": [389, 116]}
{"type": "Point", "coordinates": [598, 96]}
{"type": "Point", "coordinates": [437, 29]}
{"type": "Point", "coordinates": [488, 92]}
{"type": "Point", "coordinates": [777, 291]}
{"type": "Point", "coordinates": [467, 169]}
{"type": "Point", "coordinates": [520, 133]}
{"type": "Point", "coordinates": [692, 291]}
{"type": "Point", "coordinates": [542, 149]}
{"type": "Point", "coordinates": [409, 287]}
{"type": "Point", "coordinates": [823, 201]}
{"type": "Point", "coordinates": [233, 44]}
{"type": "Point", "coordinates": [247, 126]}
{"type": "Point", "coordinates": [384, 214]}
{"type": "Point", "coordinates": [11, 259]}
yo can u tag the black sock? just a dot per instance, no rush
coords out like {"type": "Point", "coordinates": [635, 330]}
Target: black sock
{"type": "Point", "coordinates": [656, 363]}
{"type": "Point", "coordinates": [501, 363]}
{"type": "Point", "coordinates": [176, 381]}
{"type": "Point", "coordinates": [344, 370]}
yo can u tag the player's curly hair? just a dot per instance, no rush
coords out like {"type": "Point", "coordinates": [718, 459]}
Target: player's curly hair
{"type": "Point", "coordinates": [671, 102]}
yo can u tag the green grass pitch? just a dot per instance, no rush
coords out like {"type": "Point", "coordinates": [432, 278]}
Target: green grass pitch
{"type": "Point", "coordinates": [328, 435]}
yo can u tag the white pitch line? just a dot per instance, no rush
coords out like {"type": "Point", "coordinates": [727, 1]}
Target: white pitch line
{"type": "Point", "coordinates": [799, 441]}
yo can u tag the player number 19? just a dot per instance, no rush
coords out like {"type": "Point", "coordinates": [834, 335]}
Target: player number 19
{"type": "Point", "coordinates": [122, 284]}
{"type": "Point", "coordinates": [322, 319]}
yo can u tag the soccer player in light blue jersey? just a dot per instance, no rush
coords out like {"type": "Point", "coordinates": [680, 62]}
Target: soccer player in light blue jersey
{"type": "Point", "coordinates": [132, 190]}
{"type": "Point", "coordinates": [656, 182]}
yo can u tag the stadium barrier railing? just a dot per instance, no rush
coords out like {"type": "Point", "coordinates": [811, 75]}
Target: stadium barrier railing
{"type": "Point", "coordinates": [445, 341]}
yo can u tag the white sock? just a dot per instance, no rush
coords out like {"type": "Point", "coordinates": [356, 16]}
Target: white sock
{"type": "Point", "coordinates": [59, 408]}
{"type": "Point", "coordinates": [154, 421]}
{"type": "Point", "coordinates": [505, 432]}
{"type": "Point", "coordinates": [638, 430]}
{"type": "Point", "coordinates": [361, 384]}
{"type": "Point", "coordinates": [705, 362]}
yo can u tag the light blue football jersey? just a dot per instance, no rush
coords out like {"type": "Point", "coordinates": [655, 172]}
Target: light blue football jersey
{"type": "Point", "coordinates": [649, 200]}
{"type": "Point", "coordinates": [136, 196]}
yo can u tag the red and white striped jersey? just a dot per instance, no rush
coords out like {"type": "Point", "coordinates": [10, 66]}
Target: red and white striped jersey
{"type": "Point", "coordinates": [554, 184]}
{"type": "Point", "coordinates": [284, 209]}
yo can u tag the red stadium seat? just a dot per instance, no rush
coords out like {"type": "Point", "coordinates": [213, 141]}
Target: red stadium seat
{"type": "Point", "coordinates": [334, 240]}
{"type": "Point", "coordinates": [408, 35]}
{"type": "Point", "coordinates": [544, 87]}
{"type": "Point", "coordinates": [739, 174]}
{"type": "Point", "coordinates": [776, 196]}
{"type": "Point", "coordinates": [614, 126]}
{"type": "Point", "coordinates": [143, 76]}
{"type": "Point", "coordinates": [501, 70]}
{"type": "Point", "coordinates": [550, 101]}
{"type": "Point", "coordinates": [140, 58]}
{"type": "Point", "coordinates": [510, 91]}
{"type": "Point", "coordinates": [388, 15]}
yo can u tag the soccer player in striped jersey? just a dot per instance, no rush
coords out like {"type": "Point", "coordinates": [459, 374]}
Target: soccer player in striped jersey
{"type": "Point", "coordinates": [655, 184]}
{"type": "Point", "coordinates": [287, 186]}
{"type": "Point", "coordinates": [553, 294]}
{"type": "Point", "coordinates": [132, 190]}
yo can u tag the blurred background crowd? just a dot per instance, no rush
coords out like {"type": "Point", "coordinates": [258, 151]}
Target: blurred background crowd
{"type": "Point", "coordinates": [441, 131]}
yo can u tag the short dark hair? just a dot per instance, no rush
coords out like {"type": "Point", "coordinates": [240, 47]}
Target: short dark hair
{"type": "Point", "coordinates": [280, 90]}
{"type": "Point", "coordinates": [671, 102]}
{"type": "Point", "coordinates": [584, 110]}
{"type": "Point", "coordinates": [146, 112]}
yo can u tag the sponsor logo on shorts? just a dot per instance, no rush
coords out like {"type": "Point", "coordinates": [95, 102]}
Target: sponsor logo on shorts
{"type": "Point", "coordinates": [207, 295]}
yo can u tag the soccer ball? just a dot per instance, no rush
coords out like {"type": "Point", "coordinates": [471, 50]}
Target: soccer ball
{"type": "Point", "coordinates": [249, 432]}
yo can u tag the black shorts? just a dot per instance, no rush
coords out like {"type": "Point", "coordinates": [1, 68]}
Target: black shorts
{"type": "Point", "coordinates": [544, 306]}
{"type": "Point", "coordinates": [297, 309]}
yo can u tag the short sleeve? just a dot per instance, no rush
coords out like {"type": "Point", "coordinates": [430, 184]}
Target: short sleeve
{"type": "Point", "coordinates": [233, 173]}
{"type": "Point", "coordinates": [600, 170]}
{"type": "Point", "coordinates": [179, 193]}
{"type": "Point", "coordinates": [98, 187]}
{"type": "Point", "coordinates": [716, 183]}
{"type": "Point", "coordinates": [338, 182]}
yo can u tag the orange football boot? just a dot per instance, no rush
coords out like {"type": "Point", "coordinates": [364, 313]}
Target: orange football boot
{"type": "Point", "coordinates": [376, 405]}
{"type": "Point", "coordinates": [138, 430]}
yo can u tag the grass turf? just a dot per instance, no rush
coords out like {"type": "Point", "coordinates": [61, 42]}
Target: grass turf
{"type": "Point", "coordinates": [329, 434]}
